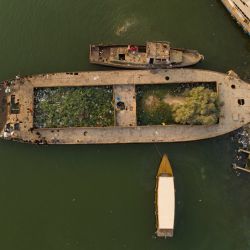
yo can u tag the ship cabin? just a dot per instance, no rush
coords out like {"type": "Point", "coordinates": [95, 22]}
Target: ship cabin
{"type": "Point", "coordinates": [151, 54]}
{"type": "Point", "coordinates": [159, 53]}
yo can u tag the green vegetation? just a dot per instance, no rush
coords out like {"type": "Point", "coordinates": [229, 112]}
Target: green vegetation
{"type": "Point", "coordinates": [74, 107]}
{"type": "Point", "coordinates": [153, 110]}
{"type": "Point", "coordinates": [201, 107]}
{"type": "Point", "coordinates": [193, 104]}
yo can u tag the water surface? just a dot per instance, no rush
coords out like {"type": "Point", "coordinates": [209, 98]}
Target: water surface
{"type": "Point", "coordinates": [102, 196]}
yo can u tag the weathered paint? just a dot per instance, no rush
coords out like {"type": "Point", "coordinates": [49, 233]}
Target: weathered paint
{"type": "Point", "coordinates": [230, 89]}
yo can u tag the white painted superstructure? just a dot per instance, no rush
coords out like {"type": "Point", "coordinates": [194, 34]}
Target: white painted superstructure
{"type": "Point", "coordinates": [166, 203]}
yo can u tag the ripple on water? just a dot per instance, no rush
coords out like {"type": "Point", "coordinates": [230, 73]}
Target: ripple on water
{"type": "Point", "coordinates": [125, 25]}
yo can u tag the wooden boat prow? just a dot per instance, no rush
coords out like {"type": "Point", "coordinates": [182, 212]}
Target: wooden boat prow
{"type": "Point", "coordinates": [165, 199]}
{"type": "Point", "coordinates": [165, 167]}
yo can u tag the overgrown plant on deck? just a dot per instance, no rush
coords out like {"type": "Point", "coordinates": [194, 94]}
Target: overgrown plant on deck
{"type": "Point", "coordinates": [201, 107]}
{"type": "Point", "coordinates": [74, 107]}
{"type": "Point", "coordinates": [192, 105]}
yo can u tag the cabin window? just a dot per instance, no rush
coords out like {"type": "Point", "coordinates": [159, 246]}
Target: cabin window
{"type": "Point", "coordinates": [121, 57]}
{"type": "Point", "coordinates": [14, 106]}
{"type": "Point", "coordinates": [151, 61]}
{"type": "Point", "coordinates": [241, 101]}
{"type": "Point", "coordinates": [17, 126]}
{"type": "Point", "coordinates": [167, 78]}
{"type": "Point", "coordinates": [142, 49]}
{"type": "Point", "coordinates": [100, 51]}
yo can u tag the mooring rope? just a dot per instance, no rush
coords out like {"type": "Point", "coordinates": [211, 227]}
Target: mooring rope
{"type": "Point", "coordinates": [158, 151]}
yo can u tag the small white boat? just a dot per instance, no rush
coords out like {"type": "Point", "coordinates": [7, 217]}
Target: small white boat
{"type": "Point", "coordinates": [165, 199]}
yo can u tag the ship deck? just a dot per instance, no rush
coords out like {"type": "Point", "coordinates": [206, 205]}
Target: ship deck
{"type": "Point", "coordinates": [232, 92]}
{"type": "Point", "coordinates": [137, 58]}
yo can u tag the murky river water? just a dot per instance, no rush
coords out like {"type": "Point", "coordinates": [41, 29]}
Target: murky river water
{"type": "Point", "coordinates": [102, 196]}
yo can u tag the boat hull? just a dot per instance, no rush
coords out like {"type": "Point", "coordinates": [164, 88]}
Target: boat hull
{"type": "Point", "coordinates": [189, 58]}
{"type": "Point", "coordinates": [165, 200]}
{"type": "Point", "coordinates": [231, 90]}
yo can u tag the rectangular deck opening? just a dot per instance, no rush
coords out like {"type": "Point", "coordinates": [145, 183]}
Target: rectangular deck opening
{"type": "Point", "coordinates": [177, 103]}
{"type": "Point", "coordinates": [62, 107]}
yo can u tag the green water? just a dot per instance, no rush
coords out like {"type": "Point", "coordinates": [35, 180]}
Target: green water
{"type": "Point", "coordinates": [102, 196]}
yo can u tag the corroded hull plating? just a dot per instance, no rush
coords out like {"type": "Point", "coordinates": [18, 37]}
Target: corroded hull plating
{"type": "Point", "coordinates": [233, 92]}
{"type": "Point", "coordinates": [103, 55]}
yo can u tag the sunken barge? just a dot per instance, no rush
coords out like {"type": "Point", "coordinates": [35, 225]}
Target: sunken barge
{"type": "Point", "coordinates": [17, 114]}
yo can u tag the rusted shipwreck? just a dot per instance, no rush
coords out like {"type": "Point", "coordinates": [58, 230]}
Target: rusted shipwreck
{"type": "Point", "coordinates": [17, 110]}
{"type": "Point", "coordinates": [153, 55]}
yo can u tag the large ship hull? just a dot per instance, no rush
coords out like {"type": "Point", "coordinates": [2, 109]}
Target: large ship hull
{"type": "Point", "coordinates": [233, 92]}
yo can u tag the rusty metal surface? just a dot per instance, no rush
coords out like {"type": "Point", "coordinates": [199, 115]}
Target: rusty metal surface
{"type": "Point", "coordinates": [230, 89]}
